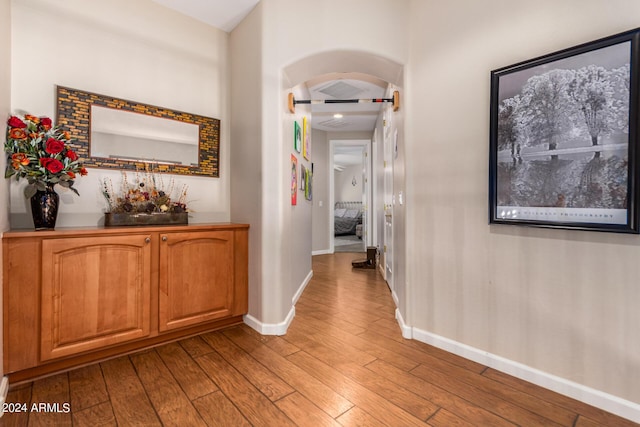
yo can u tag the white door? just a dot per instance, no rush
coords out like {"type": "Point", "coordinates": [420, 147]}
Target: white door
{"type": "Point", "coordinates": [366, 197]}
{"type": "Point", "coordinates": [388, 197]}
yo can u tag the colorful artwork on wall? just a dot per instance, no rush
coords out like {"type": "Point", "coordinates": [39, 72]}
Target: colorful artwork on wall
{"type": "Point", "coordinates": [297, 137]}
{"type": "Point", "coordinates": [306, 139]}
{"type": "Point", "coordinates": [308, 180]}
{"type": "Point", "coordinates": [294, 180]}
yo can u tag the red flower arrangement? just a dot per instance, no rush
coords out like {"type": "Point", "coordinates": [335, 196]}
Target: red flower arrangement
{"type": "Point", "coordinates": [40, 153]}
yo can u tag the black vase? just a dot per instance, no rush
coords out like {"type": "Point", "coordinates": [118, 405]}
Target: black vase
{"type": "Point", "coordinates": [44, 208]}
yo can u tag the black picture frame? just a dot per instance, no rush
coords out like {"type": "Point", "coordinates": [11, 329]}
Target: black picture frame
{"type": "Point", "coordinates": [564, 138]}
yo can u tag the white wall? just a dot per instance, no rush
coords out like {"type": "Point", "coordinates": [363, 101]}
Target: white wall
{"type": "Point", "coordinates": [245, 43]}
{"type": "Point", "coordinates": [344, 189]}
{"type": "Point", "coordinates": [396, 133]}
{"type": "Point", "coordinates": [5, 107]}
{"type": "Point", "coordinates": [297, 219]}
{"type": "Point", "coordinates": [148, 54]}
{"type": "Point", "coordinates": [563, 302]}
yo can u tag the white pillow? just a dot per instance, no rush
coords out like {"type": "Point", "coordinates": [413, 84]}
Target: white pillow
{"type": "Point", "coordinates": [351, 213]}
{"type": "Point", "coordinates": [339, 213]}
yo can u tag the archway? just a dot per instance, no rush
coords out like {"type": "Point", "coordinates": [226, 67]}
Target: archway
{"type": "Point", "coordinates": [366, 66]}
{"type": "Point", "coordinates": [344, 61]}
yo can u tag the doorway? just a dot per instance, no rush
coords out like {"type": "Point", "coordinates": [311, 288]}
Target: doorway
{"type": "Point", "coordinates": [351, 195]}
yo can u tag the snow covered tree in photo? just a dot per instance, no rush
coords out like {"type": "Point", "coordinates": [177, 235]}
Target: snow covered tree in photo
{"type": "Point", "coordinates": [592, 91]}
{"type": "Point", "coordinates": [546, 111]}
{"type": "Point", "coordinates": [621, 79]}
{"type": "Point", "coordinates": [508, 131]}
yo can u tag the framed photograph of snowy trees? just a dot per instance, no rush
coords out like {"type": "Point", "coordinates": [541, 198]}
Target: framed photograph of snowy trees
{"type": "Point", "coordinates": [564, 138]}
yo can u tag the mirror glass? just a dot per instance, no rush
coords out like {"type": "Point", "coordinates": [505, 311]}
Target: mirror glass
{"type": "Point", "coordinates": [126, 135]}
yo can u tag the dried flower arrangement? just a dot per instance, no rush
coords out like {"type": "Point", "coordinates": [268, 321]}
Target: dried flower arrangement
{"type": "Point", "coordinates": [147, 193]}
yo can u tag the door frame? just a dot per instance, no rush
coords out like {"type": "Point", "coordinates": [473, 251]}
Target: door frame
{"type": "Point", "coordinates": [368, 189]}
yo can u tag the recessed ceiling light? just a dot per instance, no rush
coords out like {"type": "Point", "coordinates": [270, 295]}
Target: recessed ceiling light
{"type": "Point", "coordinates": [337, 116]}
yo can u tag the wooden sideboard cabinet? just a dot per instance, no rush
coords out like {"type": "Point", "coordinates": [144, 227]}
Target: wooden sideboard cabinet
{"type": "Point", "coordinates": [196, 278]}
{"type": "Point", "coordinates": [95, 291]}
{"type": "Point", "coordinates": [73, 296]}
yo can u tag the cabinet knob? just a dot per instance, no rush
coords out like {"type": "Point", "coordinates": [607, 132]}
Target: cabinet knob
{"type": "Point", "coordinates": [147, 240]}
{"type": "Point", "coordinates": [165, 238]}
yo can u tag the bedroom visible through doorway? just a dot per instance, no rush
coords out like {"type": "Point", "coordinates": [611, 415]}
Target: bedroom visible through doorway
{"type": "Point", "coordinates": [350, 194]}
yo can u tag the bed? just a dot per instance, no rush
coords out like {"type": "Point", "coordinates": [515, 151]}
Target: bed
{"type": "Point", "coordinates": [346, 217]}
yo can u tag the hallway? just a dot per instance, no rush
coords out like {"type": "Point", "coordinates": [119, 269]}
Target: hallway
{"type": "Point", "coordinates": [342, 362]}
{"type": "Point", "coordinates": [349, 243]}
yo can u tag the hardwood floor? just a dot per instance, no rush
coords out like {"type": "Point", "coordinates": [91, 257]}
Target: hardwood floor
{"type": "Point", "coordinates": [342, 362]}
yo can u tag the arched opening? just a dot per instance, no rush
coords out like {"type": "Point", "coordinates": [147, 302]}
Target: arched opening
{"type": "Point", "coordinates": [347, 74]}
{"type": "Point", "coordinates": [356, 63]}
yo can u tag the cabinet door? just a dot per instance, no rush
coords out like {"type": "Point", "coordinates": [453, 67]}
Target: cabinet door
{"type": "Point", "coordinates": [95, 292]}
{"type": "Point", "coordinates": [196, 277]}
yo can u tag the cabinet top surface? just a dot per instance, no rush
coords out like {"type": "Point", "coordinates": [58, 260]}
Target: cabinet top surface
{"type": "Point", "coordinates": [62, 231]}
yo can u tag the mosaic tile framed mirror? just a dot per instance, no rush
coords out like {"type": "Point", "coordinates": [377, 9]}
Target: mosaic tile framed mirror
{"type": "Point", "coordinates": [113, 133]}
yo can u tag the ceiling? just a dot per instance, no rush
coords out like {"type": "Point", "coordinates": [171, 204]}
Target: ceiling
{"type": "Point", "coordinates": [222, 14]}
{"type": "Point", "coordinates": [355, 117]}
{"type": "Point", "coordinates": [227, 14]}
{"type": "Point", "coordinates": [345, 155]}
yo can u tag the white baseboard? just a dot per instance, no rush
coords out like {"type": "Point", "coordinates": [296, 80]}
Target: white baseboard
{"type": "Point", "coordinates": [395, 301]}
{"type": "Point", "coordinates": [300, 290]}
{"type": "Point", "coordinates": [321, 252]}
{"type": "Point", "coordinates": [4, 390]}
{"type": "Point", "coordinates": [406, 330]}
{"type": "Point", "coordinates": [270, 328]}
{"type": "Point", "coordinates": [278, 328]}
{"type": "Point", "coordinates": [590, 396]}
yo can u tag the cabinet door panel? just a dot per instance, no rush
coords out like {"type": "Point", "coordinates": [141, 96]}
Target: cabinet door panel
{"type": "Point", "coordinates": [196, 277]}
{"type": "Point", "coordinates": [95, 292]}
